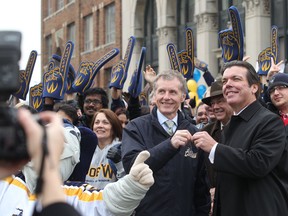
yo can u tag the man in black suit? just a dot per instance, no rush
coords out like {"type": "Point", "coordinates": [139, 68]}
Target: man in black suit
{"type": "Point", "coordinates": [251, 161]}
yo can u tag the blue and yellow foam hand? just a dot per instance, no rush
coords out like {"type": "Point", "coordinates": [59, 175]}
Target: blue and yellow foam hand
{"type": "Point", "coordinates": [174, 60]}
{"type": "Point", "coordinates": [120, 70]}
{"type": "Point", "coordinates": [55, 79]}
{"type": "Point", "coordinates": [135, 86]}
{"type": "Point", "coordinates": [231, 40]}
{"type": "Point", "coordinates": [264, 57]}
{"type": "Point", "coordinates": [70, 77]}
{"type": "Point", "coordinates": [36, 100]}
{"type": "Point", "coordinates": [25, 76]}
{"type": "Point", "coordinates": [186, 57]}
{"type": "Point", "coordinates": [88, 70]}
{"type": "Point", "coordinates": [173, 57]}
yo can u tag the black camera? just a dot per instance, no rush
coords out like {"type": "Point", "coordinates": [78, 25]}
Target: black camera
{"type": "Point", "coordinates": [12, 135]}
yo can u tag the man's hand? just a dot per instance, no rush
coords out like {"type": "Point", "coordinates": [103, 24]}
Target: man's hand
{"type": "Point", "coordinates": [149, 74]}
{"type": "Point", "coordinates": [180, 138]}
{"type": "Point", "coordinates": [275, 68]}
{"type": "Point", "coordinates": [203, 140]}
{"type": "Point", "coordinates": [140, 171]}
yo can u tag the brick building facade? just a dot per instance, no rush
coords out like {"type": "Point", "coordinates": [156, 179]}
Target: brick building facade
{"type": "Point", "coordinates": [93, 25]}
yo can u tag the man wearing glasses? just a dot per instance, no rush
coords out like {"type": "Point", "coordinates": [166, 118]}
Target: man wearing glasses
{"type": "Point", "coordinates": [93, 99]}
{"type": "Point", "coordinates": [278, 91]}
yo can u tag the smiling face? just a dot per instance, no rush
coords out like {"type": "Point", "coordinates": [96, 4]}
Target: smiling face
{"type": "Point", "coordinates": [279, 97]}
{"type": "Point", "coordinates": [168, 96]}
{"type": "Point", "coordinates": [202, 115]}
{"type": "Point", "coordinates": [92, 104]}
{"type": "Point", "coordinates": [236, 89]}
{"type": "Point", "coordinates": [103, 128]}
{"type": "Point", "coordinates": [222, 110]}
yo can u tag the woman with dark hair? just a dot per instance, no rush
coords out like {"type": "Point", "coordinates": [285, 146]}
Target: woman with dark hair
{"type": "Point", "coordinates": [122, 115]}
{"type": "Point", "coordinates": [108, 130]}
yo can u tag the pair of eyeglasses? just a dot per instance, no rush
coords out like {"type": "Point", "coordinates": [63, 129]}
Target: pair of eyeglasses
{"type": "Point", "coordinates": [278, 88]}
{"type": "Point", "coordinates": [95, 101]}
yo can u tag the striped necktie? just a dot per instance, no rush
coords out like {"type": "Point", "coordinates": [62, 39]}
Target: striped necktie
{"type": "Point", "coordinates": [169, 124]}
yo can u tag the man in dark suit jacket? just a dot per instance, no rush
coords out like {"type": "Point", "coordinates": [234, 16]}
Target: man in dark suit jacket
{"type": "Point", "coordinates": [178, 166]}
{"type": "Point", "coordinates": [251, 161]}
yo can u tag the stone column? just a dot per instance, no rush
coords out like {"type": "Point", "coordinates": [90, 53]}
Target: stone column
{"type": "Point", "coordinates": [165, 36]}
{"type": "Point", "coordinates": [258, 27]}
{"type": "Point", "coordinates": [207, 33]}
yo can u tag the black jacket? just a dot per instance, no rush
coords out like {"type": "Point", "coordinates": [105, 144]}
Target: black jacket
{"type": "Point", "coordinates": [252, 171]}
{"type": "Point", "coordinates": [180, 181]}
{"type": "Point", "coordinates": [214, 129]}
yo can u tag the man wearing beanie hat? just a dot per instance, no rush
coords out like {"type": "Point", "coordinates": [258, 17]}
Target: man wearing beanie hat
{"type": "Point", "coordinates": [278, 91]}
{"type": "Point", "coordinates": [223, 112]}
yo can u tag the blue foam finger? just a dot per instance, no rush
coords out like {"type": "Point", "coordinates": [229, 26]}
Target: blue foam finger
{"type": "Point", "coordinates": [173, 57]}
{"type": "Point", "coordinates": [55, 79]}
{"type": "Point", "coordinates": [274, 43]}
{"type": "Point", "coordinates": [25, 76]}
{"type": "Point", "coordinates": [36, 100]}
{"type": "Point", "coordinates": [88, 70]}
{"type": "Point", "coordinates": [264, 61]}
{"type": "Point", "coordinates": [135, 86]}
{"type": "Point", "coordinates": [231, 40]}
{"type": "Point", "coordinates": [120, 70]}
{"type": "Point", "coordinates": [186, 57]}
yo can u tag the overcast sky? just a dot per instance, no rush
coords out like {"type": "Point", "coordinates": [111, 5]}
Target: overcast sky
{"type": "Point", "coordinates": [24, 16]}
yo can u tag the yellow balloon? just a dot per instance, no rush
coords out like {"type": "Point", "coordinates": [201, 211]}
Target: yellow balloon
{"type": "Point", "coordinates": [192, 85]}
{"type": "Point", "coordinates": [192, 95]}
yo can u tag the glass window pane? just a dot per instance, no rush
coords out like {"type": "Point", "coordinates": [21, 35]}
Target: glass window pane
{"type": "Point", "coordinates": [110, 23]}
{"type": "Point", "coordinates": [191, 10]}
{"type": "Point", "coordinates": [60, 4]}
{"type": "Point", "coordinates": [49, 7]}
{"type": "Point", "coordinates": [277, 13]}
{"type": "Point", "coordinates": [151, 38]}
{"type": "Point", "coordinates": [185, 19]}
{"type": "Point", "coordinates": [71, 32]}
{"type": "Point", "coordinates": [224, 4]}
{"type": "Point", "coordinates": [88, 33]}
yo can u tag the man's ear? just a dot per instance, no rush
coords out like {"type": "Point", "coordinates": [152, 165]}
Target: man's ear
{"type": "Point", "coordinates": [183, 98]}
{"type": "Point", "coordinates": [254, 88]}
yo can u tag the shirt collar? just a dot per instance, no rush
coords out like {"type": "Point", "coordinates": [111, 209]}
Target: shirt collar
{"type": "Point", "coordinates": [236, 114]}
{"type": "Point", "coordinates": [162, 118]}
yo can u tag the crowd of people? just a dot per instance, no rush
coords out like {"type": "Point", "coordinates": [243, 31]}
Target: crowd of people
{"type": "Point", "coordinates": [95, 155]}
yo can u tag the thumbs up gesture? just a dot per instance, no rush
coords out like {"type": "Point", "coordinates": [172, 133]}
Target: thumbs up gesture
{"type": "Point", "coordinates": [141, 172]}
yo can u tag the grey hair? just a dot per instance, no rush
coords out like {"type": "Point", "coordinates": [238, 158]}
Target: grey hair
{"type": "Point", "coordinates": [170, 75]}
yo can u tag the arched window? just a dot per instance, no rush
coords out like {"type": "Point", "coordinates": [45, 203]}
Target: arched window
{"type": "Point", "coordinates": [185, 18]}
{"type": "Point", "coordinates": [150, 37]}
